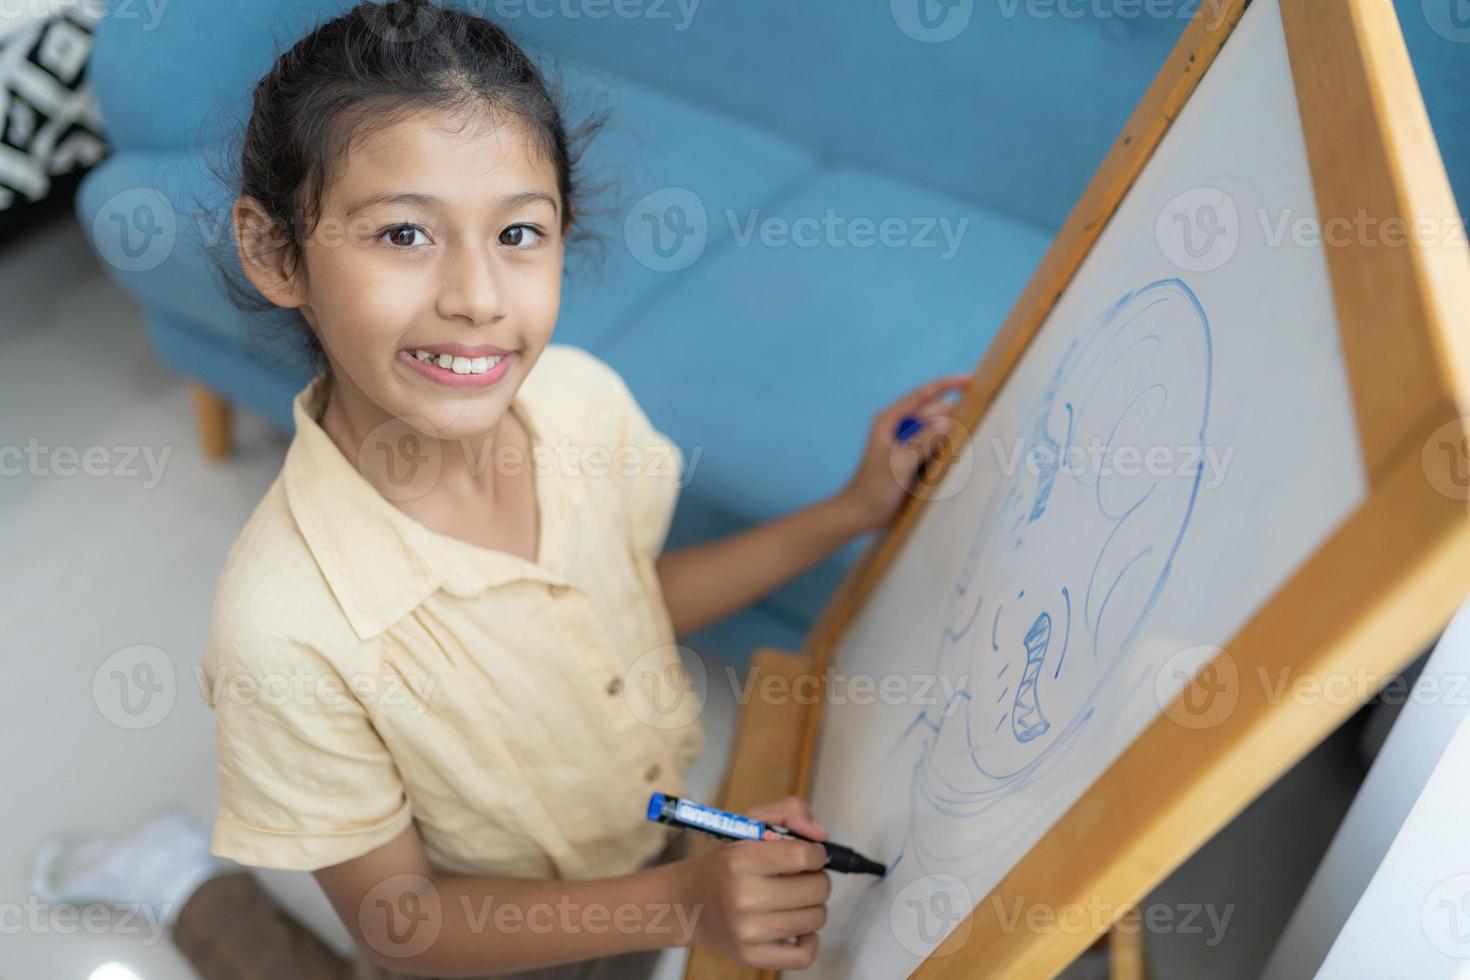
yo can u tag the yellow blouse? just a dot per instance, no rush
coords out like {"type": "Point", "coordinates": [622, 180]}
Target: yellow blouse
{"type": "Point", "coordinates": [366, 671]}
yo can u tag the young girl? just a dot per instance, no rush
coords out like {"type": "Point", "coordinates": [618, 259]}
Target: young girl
{"type": "Point", "coordinates": [439, 661]}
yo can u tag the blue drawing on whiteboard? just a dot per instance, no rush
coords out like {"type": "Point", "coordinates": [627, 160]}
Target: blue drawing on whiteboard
{"type": "Point", "coordinates": [1072, 549]}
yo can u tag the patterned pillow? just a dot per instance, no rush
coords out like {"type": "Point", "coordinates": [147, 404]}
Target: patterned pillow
{"type": "Point", "coordinates": [50, 130]}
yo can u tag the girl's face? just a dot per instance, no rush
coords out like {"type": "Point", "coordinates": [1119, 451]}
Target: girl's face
{"type": "Point", "coordinates": [439, 250]}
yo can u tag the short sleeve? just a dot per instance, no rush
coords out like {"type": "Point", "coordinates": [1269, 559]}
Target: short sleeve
{"type": "Point", "coordinates": [652, 470]}
{"type": "Point", "coordinates": [305, 780]}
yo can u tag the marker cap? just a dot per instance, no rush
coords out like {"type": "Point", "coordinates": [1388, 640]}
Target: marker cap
{"type": "Point", "coordinates": [655, 805]}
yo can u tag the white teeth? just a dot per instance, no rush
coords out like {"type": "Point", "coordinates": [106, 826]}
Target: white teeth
{"type": "Point", "coordinates": [459, 365]}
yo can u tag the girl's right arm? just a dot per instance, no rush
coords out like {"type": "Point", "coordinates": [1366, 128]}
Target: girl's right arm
{"type": "Point", "coordinates": [749, 898]}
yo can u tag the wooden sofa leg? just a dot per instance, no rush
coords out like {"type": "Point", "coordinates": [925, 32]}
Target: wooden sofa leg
{"type": "Point", "coordinates": [214, 415]}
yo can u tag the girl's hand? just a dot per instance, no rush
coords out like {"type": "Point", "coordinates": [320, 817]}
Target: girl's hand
{"type": "Point", "coordinates": [793, 813]}
{"type": "Point", "coordinates": [886, 471]}
{"type": "Point", "coordinates": [762, 902]}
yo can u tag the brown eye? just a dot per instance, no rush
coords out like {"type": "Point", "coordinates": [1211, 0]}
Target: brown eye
{"type": "Point", "coordinates": [520, 236]}
{"type": "Point", "coordinates": [395, 235]}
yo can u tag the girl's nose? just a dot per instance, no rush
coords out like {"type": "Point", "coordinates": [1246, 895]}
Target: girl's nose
{"type": "Point", "coordinates": [470, 289]}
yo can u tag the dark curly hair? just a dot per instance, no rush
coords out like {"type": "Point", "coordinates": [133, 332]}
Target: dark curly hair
{"type": "Point", "coordinates": [355, 74]}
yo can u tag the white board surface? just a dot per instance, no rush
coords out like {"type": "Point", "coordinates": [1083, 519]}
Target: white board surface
{"type": "Point", "coordinates": [1045, 608]}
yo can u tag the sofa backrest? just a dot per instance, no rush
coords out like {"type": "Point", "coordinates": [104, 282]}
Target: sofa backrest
{"type": "Point", "coordinates": [1013, 111]}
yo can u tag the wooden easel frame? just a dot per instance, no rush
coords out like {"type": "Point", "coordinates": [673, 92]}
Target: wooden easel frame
{"type": "Point", "coordinates": [1404, 319]}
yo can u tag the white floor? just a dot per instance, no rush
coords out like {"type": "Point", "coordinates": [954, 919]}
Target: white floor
{"type": "Point", "coordinates": [99, 563]}
{"type": "Point", "coordinates": [96, 564]}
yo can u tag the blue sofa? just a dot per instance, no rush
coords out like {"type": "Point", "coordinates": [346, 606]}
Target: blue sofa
{"type": "Point", "coordinates": [758, 332]}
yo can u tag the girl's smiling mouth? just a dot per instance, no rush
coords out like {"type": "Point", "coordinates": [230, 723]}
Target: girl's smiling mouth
{"type": "Point", "coordinates": [459, 366]}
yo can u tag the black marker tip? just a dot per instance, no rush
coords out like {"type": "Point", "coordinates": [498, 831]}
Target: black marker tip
{"type": "Point", "coordinates": [846, 860]}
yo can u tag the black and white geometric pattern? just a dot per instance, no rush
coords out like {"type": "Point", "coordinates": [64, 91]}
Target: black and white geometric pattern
{"type": "Point", "coordinates": [49, 124]}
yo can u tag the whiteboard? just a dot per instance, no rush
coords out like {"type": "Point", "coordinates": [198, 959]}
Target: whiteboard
{"type": "Point", "coordinates": [1384, 849]}
{"type": "Point", "coordinates": [1413, 920]}
{"type": "Point", "coordinates": [1050, 601]}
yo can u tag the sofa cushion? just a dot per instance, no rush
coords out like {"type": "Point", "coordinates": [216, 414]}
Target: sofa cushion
{"type": "Point", "coordinates": [656, 151]}
{"type": "Point", "coordinates": [768, 362]}
{"type": "Point", "coordinates": [150, 215]}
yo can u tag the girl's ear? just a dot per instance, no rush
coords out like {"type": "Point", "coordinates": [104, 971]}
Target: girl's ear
{"type": "Point", "coordinates": [264, 256]}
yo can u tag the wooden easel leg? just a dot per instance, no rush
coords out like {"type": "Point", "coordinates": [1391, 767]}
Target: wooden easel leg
{"type": "Point", "coordinates": [1125, 947]}
{"type": "Point", "coordinates": [763, 768]}
{"type": "Point", "coordinates": [214, 416]}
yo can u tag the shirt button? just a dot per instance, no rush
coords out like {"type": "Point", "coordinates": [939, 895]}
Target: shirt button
{"type": "Point", "coordinates": [615, 685]}
{"type": "Point", "coordinates": [653, 771]}
{"type": "Point", "coordinates": [558, 589]}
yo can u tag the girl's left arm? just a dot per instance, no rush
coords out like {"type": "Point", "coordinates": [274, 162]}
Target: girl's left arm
{"type": "Point", "coordinates": [705, 583]}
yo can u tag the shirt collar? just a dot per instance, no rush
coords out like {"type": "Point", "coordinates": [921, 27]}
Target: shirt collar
{"type": "Point", "coordinates": [381, 563]}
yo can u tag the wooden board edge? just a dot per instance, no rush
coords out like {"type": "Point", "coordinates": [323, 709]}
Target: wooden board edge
{"type": "Point", "coordinates": [1402, 300]}
{"type": "Point", "coordinates": [763, 768]}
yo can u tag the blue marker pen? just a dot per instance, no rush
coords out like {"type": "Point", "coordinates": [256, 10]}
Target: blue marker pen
{"type": "Point", "coordinates": [908, 426]}
{"type": "Point", "coordinates": [723, 825]}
